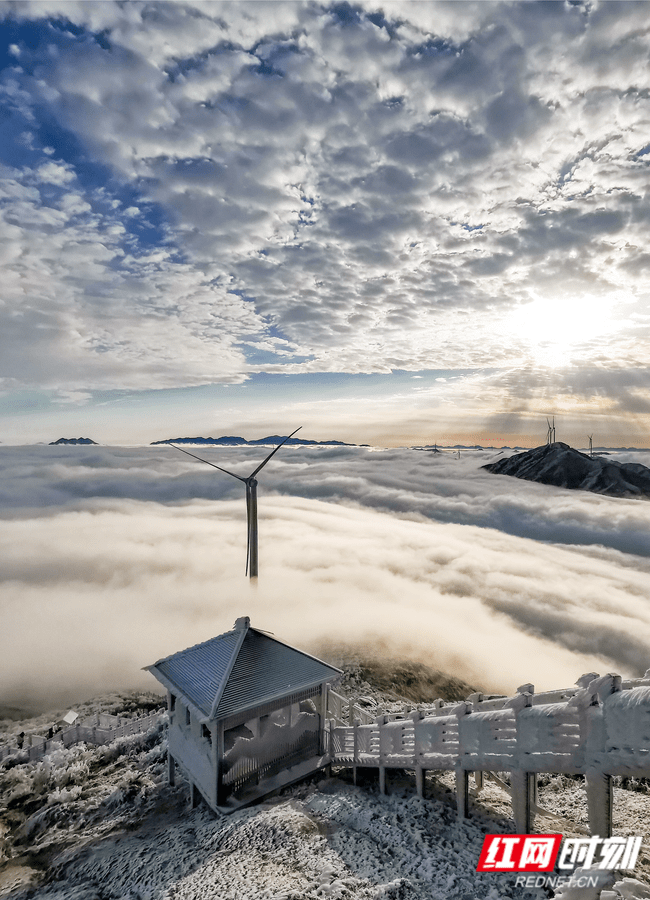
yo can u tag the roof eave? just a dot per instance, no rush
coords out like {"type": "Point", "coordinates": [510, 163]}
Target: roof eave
{"type": "Point", "coordinates": [278, 695]}
{"type": "Point", "coordinates": [200, 714]}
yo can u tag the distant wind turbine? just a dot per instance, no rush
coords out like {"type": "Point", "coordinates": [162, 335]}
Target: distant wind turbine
{"type": "Point", "coordinates": [251, 502]}
{"type": "Point", "coordinates": [550, 434]}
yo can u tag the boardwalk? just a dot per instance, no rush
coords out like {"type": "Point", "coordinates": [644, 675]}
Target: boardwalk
{"type": "Point", "coordinates": [598, 729]}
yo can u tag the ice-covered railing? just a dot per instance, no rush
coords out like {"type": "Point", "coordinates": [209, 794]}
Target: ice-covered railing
{"type": "Point", "coordinates": [344, 710]}
{"type": "Point", "coordinates": [248, 769]}
{"type": "Point", "coordinates": [99, 729]}
{"type": "Point", "coordinates": [599, 728]}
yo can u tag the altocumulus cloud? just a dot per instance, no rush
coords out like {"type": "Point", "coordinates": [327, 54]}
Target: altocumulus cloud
{"type": "Point", "coordinates": [310, 187]}
{"type": "Point", "coordinates": [112, 558]}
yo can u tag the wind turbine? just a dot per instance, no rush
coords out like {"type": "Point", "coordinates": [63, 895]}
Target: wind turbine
{"type": "Point", "coordinates": [550, 434]}
{"type": "Point", "coordinates": [251, 502]}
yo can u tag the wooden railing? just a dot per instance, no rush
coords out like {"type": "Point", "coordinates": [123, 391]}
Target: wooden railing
{"type": "Point", "coordinates": [97, 730]}
{"type": "Point", "coordinates": [251, 770]}
{"type": "Point", "coordinates": [344, 710]}
{"type": "Point", "coordinates": [598, 729]}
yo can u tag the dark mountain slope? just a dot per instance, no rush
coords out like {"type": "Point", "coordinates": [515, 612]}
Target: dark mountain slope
{"type": "Point", "coordinates": [562, 466]}
{"type": "Point", "coordinates": [80, 440]}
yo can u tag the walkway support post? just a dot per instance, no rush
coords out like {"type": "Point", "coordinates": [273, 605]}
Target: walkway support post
{"type": "Point", "coordinates": [419, 781]}
{"type": "Point", "coordinates": [462, 792]}
{"type": "Point", "coordinates": [523, 800]}
{"type": "Point", "coordinates": [600, 802]}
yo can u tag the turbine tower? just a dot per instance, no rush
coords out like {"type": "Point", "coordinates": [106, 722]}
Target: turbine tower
{"type": "Point", "coordinates": [251, 502]}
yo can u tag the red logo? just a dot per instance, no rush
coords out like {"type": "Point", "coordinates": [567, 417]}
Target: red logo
{"type": "Point", "coordinates": [519, 852]}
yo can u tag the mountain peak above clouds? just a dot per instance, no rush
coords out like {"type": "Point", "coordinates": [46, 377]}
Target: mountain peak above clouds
{"type": "Point", "coordinates": [240, 441]}
{"type": "Point", "coordinates": [562, 466]}
{"type": "Point", "coordinates": [79, 440]}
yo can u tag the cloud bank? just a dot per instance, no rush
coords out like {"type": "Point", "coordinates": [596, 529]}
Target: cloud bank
{"type": "Point", "coordinates": [114, 558]}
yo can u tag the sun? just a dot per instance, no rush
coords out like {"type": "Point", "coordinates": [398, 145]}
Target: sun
{"type": "Point", "coordinates": [557, 330]}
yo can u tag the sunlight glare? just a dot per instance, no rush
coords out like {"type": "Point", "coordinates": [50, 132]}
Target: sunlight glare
{"type": "Point", "coordinates": [557, 329]}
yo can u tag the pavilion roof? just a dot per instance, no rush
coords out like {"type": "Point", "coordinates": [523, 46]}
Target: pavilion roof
{"type": "Point", "coordinates": [239, 670]}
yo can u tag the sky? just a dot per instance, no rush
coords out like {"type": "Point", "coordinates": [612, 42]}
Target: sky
{"type": "Point", "coordinates": [391, 223]}
{"type": "Point", "coordinates": [112, 558]}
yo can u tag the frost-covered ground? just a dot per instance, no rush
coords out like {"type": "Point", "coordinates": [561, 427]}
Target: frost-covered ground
{"type": "Point", "coordinates": [102, 824]}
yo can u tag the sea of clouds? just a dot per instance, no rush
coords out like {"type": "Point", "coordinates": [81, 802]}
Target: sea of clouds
{"type": "Point", "coordinates": [112, 557]}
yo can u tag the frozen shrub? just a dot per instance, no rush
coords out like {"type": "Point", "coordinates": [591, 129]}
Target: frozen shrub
{"type": "Point", "coordinates": [65, 795]}
{"type": "Point", "coordinates": [20, 793]}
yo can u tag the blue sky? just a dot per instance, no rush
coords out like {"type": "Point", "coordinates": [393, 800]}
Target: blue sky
{"type": "Point", "coordinates": [389, 222]}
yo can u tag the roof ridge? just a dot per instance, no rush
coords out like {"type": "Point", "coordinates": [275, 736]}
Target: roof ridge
{"type": "Point", "coordinates": [244, 628]}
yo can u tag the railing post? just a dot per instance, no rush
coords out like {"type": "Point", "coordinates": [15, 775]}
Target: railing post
{"type": "Point", "coordinates": [523, 783]}
{"type": "Point", "coordinates": [462, 775]}
{"type": "Point", "coordinates": [323, 717]}
{"type": "Point", "coordinates": [600, 796]}
{"type": "Point", "coordinates": [219, 760]}
{"type": "Point", "coordinates": [381, 721]}
{"type": "Point", "coordinates": [416, 716]}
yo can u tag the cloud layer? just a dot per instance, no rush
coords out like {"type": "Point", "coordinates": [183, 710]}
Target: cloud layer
{"type": "Point", "coordinates": [114, 558]}
{"type": "Point", "coordinates": [196, 191]}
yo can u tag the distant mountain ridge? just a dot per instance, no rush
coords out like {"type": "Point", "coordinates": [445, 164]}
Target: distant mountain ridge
{"type": "Point", "coordinates": [562, 466]}
{"type": "Point", "coordinates": [80, 440]}
{"type": "Point", "coordinates": [233, 441]}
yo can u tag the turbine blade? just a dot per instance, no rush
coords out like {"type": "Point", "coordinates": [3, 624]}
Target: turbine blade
{"type": "Point", "coordinates": [275, 450]}
{"type": "Point", "coordinates": [238, 477]}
